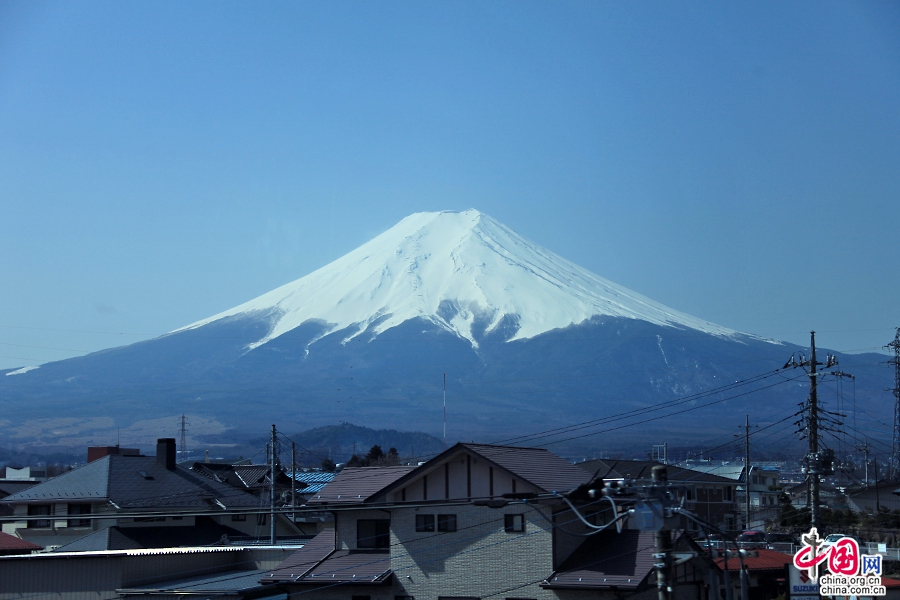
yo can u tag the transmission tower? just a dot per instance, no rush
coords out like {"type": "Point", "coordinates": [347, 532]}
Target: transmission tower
{"type": "Point", "coordinates": [182, 428]}
{"type": "Point", "coordinates": [895, 438]}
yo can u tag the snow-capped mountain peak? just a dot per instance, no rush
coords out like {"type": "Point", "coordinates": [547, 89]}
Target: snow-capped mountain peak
{"type": "Point", "coordinates": [465, 272]}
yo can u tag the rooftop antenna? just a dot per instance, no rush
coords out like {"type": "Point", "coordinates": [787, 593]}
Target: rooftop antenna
{"type": "Point", "coordinates": [445, 411]}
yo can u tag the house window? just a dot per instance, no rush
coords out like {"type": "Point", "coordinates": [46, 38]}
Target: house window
{"type": "Point", "coordinates": [424, 522]}
{"type": "Point", "coordinates": [446, 522]}
{"type": "Point", "coordinates": [729, 494]}
{"type": "Point", "coordinates": [373, 533]}
{"type": "Point", "coordinates": [238, 517]}
{"type": "Point", "coordinates": [79, 509]}
{"type": "Point", "coordinates": [261, 519]}
{"type": "Point", "coordinates": [514, 523]}
{"type": "Point", "coordinates": [690, 494]}
{"type": "Point", "coordinates": [37, 510]}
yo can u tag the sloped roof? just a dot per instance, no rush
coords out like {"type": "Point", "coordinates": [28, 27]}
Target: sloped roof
{"type": "Point", "coordinates": [607, 559]}
{"type": "Point", "coordinates": [351, 566]}
{"type": "Point", "coordinates": [134, 482]}
{"type": "Point", "coordinates": [358, 484]}
{"type": "Point", "coordinates": [108, 538]}
{"type": "Point", "coordinates": [205, 532]}
{"type": "Point", "coordinates": [10, 544]}
{"type": "Point", "coordinates": [303, 560]}
{"type": "Point", "coordinates": [639, 469]}
{"type": "Point", "coordinates": [537, 466]}
{"type": "Point", "coordinates": [318, 562]}
{"type": "Point", "coordinates": [219, 583]}
{"type": "Point", "coordinates": [89, 482]}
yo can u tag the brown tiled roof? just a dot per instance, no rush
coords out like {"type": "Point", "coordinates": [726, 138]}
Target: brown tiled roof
{"type": "Point", "coordinates": [765, 560]}
{"type": "Point", "coordinates": [10, 544]}
{"type": "Point", "coordinates": [303, 560]}
{"type": "Point", "coordinates": [537, 466]}
{"type": "Point", "coordinates": [357, 484]}
{"type": "Point", "coordinates": [607, 559]}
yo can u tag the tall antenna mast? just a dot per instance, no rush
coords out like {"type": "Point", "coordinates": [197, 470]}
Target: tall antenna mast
{"type": "Point", "coordinates": [445, 410]}
{"type": "Point", "coordinates": [895, 438]}
{"type": "Point", "coordinates": [183, 423]}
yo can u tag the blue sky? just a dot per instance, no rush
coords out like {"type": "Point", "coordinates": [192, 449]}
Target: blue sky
{"type": "Point", "coordinates": [161, 162]}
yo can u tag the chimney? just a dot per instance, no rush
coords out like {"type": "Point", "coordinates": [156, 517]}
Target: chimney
{"type": "Point", "coordinates": [165, 452]}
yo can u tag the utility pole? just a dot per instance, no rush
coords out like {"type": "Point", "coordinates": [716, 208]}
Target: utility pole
{"type": "Point", "coordinates": [895, 438]}
{"type": "Point", "coordinates": [864, 448]}
{"type": "Point", "coordinates": [445, 411]}
{"type": "Point", "coordinates": [663, 554]}
{"type": "Point", "coordinates": [815, 465]}
{"type": "Point", "coordinates": [272, 492]}
{"type": "Point", "coordinates": [815, 468]}
{"type": "Point", "coordinates": [747, 471]}
{"type": "Point", "coordinates": [293, 480]}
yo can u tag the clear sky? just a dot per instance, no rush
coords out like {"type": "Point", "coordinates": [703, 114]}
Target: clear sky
{"type": "Point", "coordinates": [164, 161]}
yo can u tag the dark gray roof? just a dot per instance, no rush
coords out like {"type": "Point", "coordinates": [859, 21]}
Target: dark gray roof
{"type": "Point", "coordinates": [318, 562]}
{"type": "Point", "coordinates": [9, 487]}
{"type": "Point", "coordinates": [642, 469]}
{"type": "Point", "coordinates": [229, 581]}
{"type": "Point", "coordinates": [90, 482]}
{"type": "Point", "coordinates": [357, 484]}
{"type": "Point", "coordinates": [303, 560]}
{"type": "Point", "coordinates": [204, 532]}
{"type": "Point", "coordinates": [134, 482]}
{"type": "Point", "coordinates": [108, 538]}
{"type": "Point", "coordinates": [537, 466]}
{"type": "Point", "coordinates": [607, 559]}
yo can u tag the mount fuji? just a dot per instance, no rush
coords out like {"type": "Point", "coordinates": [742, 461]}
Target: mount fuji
{"type": "Point", "coordinates": [528, 341]}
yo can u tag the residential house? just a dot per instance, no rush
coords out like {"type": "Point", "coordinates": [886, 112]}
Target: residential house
{"type": "Point", "coordinates": [475, 521]}
{"type": "Point", "coordinates": [884, 495]}
{"type": "Point", "coordinates": [764, 489]}
{"type": "Point", "coordinates": [711, 497]}
{"type": "Point", "coordinates": [125, 501]}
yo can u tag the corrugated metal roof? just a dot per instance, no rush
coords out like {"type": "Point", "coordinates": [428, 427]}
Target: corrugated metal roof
{"type": "Point", "coordinates": [314, 476]}
{"type": "Point", "coordinates": [304, 560]}
{"type": "Point", "coordinates": [607, 559]}
{"type": "Point", "coordinates": [357, 484]}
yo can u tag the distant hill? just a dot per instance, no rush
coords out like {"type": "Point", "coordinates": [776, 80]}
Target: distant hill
{"type": "Point", "coordinates": [338, 443]}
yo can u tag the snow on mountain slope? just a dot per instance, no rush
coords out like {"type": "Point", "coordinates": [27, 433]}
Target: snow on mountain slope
{"type": "Point", "coordinates": [456, 269]}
